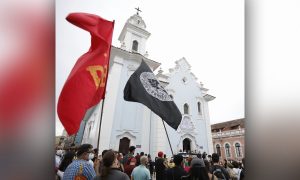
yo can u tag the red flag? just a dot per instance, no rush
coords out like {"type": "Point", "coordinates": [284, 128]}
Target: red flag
{"type": "Point", "coordinates": [86, 84]}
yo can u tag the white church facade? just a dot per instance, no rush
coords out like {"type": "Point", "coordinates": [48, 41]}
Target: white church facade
{"type": "Point", "coordinates": [128, 123]}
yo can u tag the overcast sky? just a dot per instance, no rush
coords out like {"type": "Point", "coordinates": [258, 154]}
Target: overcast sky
{"type": "Point", "coordinates": [208, 33]}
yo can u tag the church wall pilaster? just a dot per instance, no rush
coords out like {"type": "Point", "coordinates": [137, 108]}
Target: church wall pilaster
{"type": "Point", "coordinates": [110, 102]}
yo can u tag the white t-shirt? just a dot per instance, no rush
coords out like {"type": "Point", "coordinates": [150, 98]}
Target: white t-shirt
{"type": "Point", "coordinates": [237, 172]}
{"type": "Point", "coordinates": [91, 163]}
{"type": "Point", "coordinates": [57, 161]}
{"type": "Point", "coordinates": [60, 174]}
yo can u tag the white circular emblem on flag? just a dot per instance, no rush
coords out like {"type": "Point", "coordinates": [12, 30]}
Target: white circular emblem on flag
{"type": "Point", "coordinates": [153, 87]}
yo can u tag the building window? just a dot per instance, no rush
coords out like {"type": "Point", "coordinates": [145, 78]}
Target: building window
{"type": "Point", "coordinates": [227, 150]}
{"type": "Point", "coordinates": [186, 108]}
{"type": "Point", "coordinates": [135, 45]}
{"type": "Point", "coordinates": [218, 149]}
{"type": "Point", "coordinates": [199, 108]}
{"type": "Point", "coordinates": [238, 150]}
{"type": "Point", "coordinates": [171, 97]}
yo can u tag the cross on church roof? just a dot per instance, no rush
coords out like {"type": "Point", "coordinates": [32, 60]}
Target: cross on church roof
{"type": "Point", "coordinates": [137, 10]}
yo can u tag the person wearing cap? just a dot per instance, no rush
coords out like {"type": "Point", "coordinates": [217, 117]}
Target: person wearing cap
{"type": "Point", "coordinates": [128, 156]}
{"type": "Point", "coordinates": [197, 171]}
{"type": "Point", "coordinates": [176, 172]}
{"type": "Point", "coordinates": [160, 166]}
{"type": "Point", "coordinates": [81, 167]}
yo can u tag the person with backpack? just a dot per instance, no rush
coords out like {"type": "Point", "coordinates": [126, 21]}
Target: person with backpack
{"type": "Point", "coordinates": [207, 166]}
{"type": "Point", "coordinates": [81, 168]}
{"type": "Point", "coordinates": [219, 171]}
{"type": "Point", "coordinates": [129, 155]}
{"type": "Point", "coordinates": [129, 167]}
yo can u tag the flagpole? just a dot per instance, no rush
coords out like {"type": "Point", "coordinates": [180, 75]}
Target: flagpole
{"type": "Point", "coordinates": [168, 137]}
{"type": "Point", "coordinates": [101, 115]}
{"type": "Point", "coordinates": [98, 143]}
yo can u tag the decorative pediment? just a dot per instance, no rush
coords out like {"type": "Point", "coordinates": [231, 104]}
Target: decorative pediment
{"type": "Point", "coordinates": [127, 134]}
{"type": "Point", "coordinates": [183, 64]}
{"type": "Point", "coordinates": [186, 125]}
{"type": "Point", "coordinates": [131, 67]}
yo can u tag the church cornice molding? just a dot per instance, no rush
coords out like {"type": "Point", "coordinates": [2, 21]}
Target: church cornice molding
{"type": "Point", "coordinates": [115, 51]}
{"type": "Point", "coordinates": [208, 97]}
{"type": "Point", "coordinates": [133, 29]}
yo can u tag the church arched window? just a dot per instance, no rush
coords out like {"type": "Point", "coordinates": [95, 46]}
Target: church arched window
{"type": "Point", "coordinates": [218, 148]}
{"type": "Point", "coordinates": [227, 150]}
{"type": "Point", "coordinates": [186, 108]}
{"type": "Point", "coordinates": [199, 108]}
{"type": "Point", "coordinates": [135, 45]}
{"type": "Point", "coordinates": [237, 149]}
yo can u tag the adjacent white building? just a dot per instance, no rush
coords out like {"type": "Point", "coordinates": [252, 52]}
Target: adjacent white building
{"type": "Point", "coordinates": [129, 123]}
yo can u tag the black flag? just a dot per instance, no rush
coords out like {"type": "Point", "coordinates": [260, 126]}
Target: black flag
{"type": "Point", "coordinates": [144, 88]}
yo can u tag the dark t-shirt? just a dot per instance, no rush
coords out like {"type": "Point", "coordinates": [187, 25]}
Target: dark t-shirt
{"type": "Point", "coordinates": [242, 175]}
{"type": "Point", "coordinates": [151, 166]}
{"type": "Point", "coordinates": [160, 169]}
{"type": "Point", "coordinates": [115, 174]}
{"type": "Point", "coordinates": [128, 169]}
{"type": "Point", "coordinates": [137, 157]}
{"type": "Point", "coordinates": [175, 173]}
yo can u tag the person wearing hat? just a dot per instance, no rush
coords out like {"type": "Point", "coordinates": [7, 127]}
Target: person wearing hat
{"type": "Point", "coordinates": [128, 156]}
{"type": "Point", "coordinates": [177, 171]}
{"type": "Point", "coordinates": [160, 166]}
{"type": "Point", "coordinates": [197, 171]}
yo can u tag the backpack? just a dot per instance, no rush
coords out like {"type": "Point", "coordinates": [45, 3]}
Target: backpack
{"type": "Point", "coordinates": [79, 175]}
{"type": "Point", "coordinates": [219, 174]}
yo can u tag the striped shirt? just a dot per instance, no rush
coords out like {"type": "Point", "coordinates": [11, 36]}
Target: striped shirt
{"type": "Point", "coordinates": [73, 169]}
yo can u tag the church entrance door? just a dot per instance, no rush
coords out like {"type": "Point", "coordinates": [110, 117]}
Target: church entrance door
{"type": "Point", "coordinates": [187, 145]}
{"type": "Point", "coordinates": [124, 145]}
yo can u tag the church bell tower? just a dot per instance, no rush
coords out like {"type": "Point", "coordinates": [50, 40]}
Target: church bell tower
{"type": "Point", "coordinates": [134, 35]}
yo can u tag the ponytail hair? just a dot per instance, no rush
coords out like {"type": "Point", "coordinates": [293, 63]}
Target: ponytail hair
{"type": "Point", "coordinates": [108, 160]}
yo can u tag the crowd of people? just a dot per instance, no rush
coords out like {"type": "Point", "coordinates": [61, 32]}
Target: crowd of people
{"type": "Point", "coordinates": [84, 163]}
